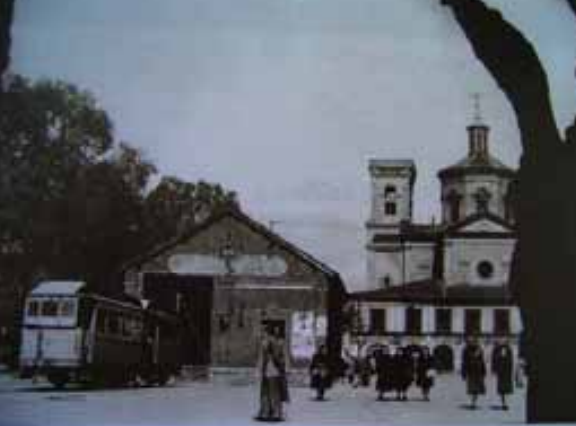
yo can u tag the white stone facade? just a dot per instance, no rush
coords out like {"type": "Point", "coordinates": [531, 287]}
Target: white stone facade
{"type": "Point", "coordinates": [460, 265]}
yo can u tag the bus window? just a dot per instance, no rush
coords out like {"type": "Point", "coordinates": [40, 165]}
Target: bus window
{"type": "Point", "coordinates": [49, 308]}
{"type": "Point", "coordinates": [67, 308]}
{"type": "Point", "coordinates": [33, 308]}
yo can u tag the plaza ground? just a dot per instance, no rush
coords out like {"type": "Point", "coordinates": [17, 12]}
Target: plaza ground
{"type": "Point", "coordinates": [219, 402]}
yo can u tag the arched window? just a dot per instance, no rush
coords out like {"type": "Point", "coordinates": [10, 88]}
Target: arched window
{"type": "Point", "coordinates": [482, 197]}
{"type": "Point", "coordinates": [386, 281]}
{"type": "Point", "coordinates": [454, 200]}
{"type": "Point", "coordinates": [390, 208]}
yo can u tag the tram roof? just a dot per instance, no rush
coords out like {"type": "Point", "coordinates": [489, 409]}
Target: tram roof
{"type": "Point", "coordinates": [58, 288]}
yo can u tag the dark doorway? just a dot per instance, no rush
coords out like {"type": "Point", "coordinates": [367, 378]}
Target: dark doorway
{"type": "Point", "coordinates": [278, 325]}
{"type": "Point", "coordinates": [190, 297]}
{"type": "Point", "coordinates": [444, 358]}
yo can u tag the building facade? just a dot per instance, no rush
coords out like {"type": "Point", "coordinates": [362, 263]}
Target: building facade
{"type": "Point", "coordinates": [228, 279]}
{"type": "Point", "coordinates": [438, 283]}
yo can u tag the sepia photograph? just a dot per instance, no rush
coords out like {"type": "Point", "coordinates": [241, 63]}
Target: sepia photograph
{"type": "Point", "coordinates": [311, 212]}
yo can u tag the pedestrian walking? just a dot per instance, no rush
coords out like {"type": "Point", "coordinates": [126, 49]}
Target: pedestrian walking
{"type": "Point", "coordinates": [474, 371]}
{"type": "Point", "coordinates": [424, 372]}
{"type": "Point", "coordinates": [384, 368]}
{"type": "Point", "coordinates": [503, 368]}
{"type": "Point", "coordinates": [273, 383]}
{"type": "Point", "coordinates": [320, 377]}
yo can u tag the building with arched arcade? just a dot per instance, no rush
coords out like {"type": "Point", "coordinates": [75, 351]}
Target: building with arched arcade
{"type": "Point", "coordinates": [437, 283]}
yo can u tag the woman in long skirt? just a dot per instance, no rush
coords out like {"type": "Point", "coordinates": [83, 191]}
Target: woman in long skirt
{"type": "Point", "coordinates": [425, 372]}
{"type": "Point", "coordinates": [474, 371]}
{"type": "Point", "coordinates": [503, 368]}
{"type": "Point", "coordinates": [273, 385]}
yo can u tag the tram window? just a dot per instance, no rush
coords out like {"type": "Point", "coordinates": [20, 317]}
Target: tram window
{"type": "Point", "coordinates": [101, 322]}
{"type": "Point", "coordinates": [67, 308]}
{"type": "Point", "coordinates": [33, 308]}
{"type": "Point", "coordinates": [50, 308]}
{"type": "Point", "coordinates": [131, 327]}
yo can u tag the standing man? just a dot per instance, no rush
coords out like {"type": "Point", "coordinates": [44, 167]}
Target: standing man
{"type": "Point", "coordinates": [474, 371]}
{"type": "Point", "coordinates": [320, 378]}
{"type": "Point", "coordinates": [503, 368]}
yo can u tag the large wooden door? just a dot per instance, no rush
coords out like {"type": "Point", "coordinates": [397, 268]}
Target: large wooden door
{"type": "Point", "coordinates": [191, 298]}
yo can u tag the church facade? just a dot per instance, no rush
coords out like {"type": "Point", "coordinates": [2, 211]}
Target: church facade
{"type": "Point", "coordinates": [438, 283]}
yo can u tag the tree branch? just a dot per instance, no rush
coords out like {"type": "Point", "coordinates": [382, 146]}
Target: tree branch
{"type": "Point", "coordinates": [514, 64]}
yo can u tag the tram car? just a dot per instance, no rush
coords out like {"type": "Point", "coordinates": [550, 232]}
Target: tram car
{"type": "Point", "coordinates": [70, 334]}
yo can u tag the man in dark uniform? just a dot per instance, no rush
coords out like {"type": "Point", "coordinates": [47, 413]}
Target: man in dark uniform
{"type": "Point", "coordinates": [320, 377]}
{"type": "Point", "coordinates": [503, 368]}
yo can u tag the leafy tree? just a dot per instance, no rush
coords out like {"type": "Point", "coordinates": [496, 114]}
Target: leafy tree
{"type": "Point", "coordinates": [175, 206]}
{"type": "Point", "coordinates": [74, 203]}
{"type": "Point", "coordinates": [543, 275]}
{"type": "Point", "coordinates": [50, 133]}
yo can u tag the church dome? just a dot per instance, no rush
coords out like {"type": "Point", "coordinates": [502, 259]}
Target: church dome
{"type": "Point", "coordinates": [478, 161]}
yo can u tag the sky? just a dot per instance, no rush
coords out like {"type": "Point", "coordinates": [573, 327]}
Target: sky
{"type": "Point", "coordinates": [284, 101]}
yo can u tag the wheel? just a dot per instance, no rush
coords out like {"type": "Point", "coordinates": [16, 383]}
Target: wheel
{"type": "Point", "coordinates": [163, 377]}
{"type": "Point", "coordinates": [59, 378]}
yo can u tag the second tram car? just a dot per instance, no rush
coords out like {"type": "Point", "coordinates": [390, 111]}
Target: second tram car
{"type": "Point", "coordinates": [72, 334]}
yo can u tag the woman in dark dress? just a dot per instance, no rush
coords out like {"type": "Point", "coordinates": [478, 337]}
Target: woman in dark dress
{"type": "Point", "coordinates": [320, 378]}
{"type": "Point", "coordinates": [384, 366]}
{"type": "Point", "coordinates": [474, 371]}
{"type": "Point", "coordinates": [503, 368]}
{"type": "Point", "coordinates": [403, 373]}
{"type": "Point", "coordinates": [424, 372]}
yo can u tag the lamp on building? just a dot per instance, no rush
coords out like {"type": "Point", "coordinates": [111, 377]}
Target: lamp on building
{"type": "Point", "coordinates": [228, 253]}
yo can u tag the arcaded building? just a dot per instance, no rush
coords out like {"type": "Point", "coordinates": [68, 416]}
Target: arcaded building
{"type": "Point", "coordinates": [437, 283]}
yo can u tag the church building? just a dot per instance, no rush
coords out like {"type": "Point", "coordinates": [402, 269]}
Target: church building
{"type": "Point", "coordinates": [435, 284]}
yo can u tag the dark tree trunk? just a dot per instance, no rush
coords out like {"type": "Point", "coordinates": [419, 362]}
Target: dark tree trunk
{"type": "Point", "coordinates": [6, 15]}
{"type": "Point", "coordinates": [572, 4]}
{"type": "Point", "coordinates": [543, 275]}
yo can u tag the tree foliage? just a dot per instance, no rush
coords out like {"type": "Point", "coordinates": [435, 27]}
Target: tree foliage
{"type": "Point", "coordinates": [74, 202]}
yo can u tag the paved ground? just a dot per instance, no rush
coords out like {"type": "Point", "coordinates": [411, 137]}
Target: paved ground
{"type": "Point", "coordinates": [196, 403]}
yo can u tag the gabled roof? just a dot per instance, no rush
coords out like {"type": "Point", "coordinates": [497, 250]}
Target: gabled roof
{"type": "Point", "coordinates": [257, 227]}
{"type": "Point", "coordinates": [460, 227]}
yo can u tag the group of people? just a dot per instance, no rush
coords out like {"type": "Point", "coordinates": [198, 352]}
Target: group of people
{"type": "Point", "coordinates": [395, 373]}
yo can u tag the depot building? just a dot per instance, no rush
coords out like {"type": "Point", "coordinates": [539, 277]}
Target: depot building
{"type": "Point", "coordinates": [228, 279]}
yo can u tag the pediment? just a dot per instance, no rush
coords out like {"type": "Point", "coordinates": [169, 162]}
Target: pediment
{"type": "Point", "coordinates": [485, 224]}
